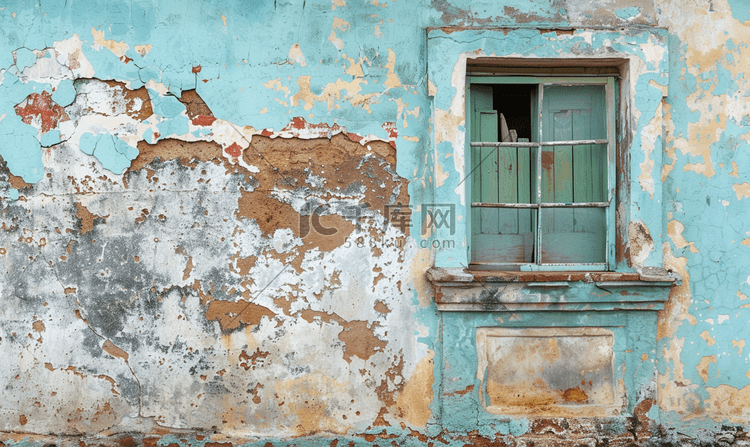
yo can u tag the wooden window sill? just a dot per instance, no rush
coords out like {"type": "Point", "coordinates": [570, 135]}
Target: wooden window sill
{"type": "Point", "coordinates": [647, 276]}
{"type": "Point", "coordinates": [487, 291]}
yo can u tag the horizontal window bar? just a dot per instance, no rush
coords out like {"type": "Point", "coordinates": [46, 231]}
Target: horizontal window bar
{"type": "Point", "coordinates": [536, 144]}
{"type": "Point", "coordinates": [590, 264]}
{"type": "Point", "coordinates": [503, 205]}
{"type": "Point", "coordinates": [542, 205]}
{"type": "Point", "coordinates": [500, 265]}
{"type": "Point", "coordinates": [575, 205]}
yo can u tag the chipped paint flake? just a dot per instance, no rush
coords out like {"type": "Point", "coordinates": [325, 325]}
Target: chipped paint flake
{"type": "Point", "coordinates": [392, 80]}
{"type": "Point", "coordinates": [143, 50]}
{"type": "Point", "coordinates": [117, 48]}
{"type": "Point", "coordinates": [739, 344]}
{"type": "Point", "coordinates": [275, 84]}
{"type": "Point", "coordinates": [341, 24]}
{"type": "Point", "coordinates": [742, 190]}
{"type": "Point", "coordinates": [707, 337]}
{"type": "Point", "coordinates": [674, 231]}
{"type": "Point", "coordinates": [338, 43]}
{"type": "Point", "coordinates": [295, 55]}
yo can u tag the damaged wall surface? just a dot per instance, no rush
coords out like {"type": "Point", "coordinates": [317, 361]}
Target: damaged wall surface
{"type": "Point", "coordinates": [218, 229]}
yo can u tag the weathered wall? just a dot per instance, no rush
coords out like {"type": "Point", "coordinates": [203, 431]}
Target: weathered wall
{"type": "Point", "coordinates": [704, 369]}
{"type": "Point", "coordinates": [211, 221]}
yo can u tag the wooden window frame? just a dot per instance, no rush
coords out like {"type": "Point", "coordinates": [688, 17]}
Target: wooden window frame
{"type": "Point", "coordinates": [610, 84]}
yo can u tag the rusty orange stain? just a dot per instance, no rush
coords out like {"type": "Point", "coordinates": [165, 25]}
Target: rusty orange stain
{"type": "Point", "coordinates": [232, 315]}
{"type": "Point", "coordinates": [41, 106]}
{"type": "Point", "coordinates": [114, 350]}
{"type": "Point", "coordinates": [235, 150]}
{"type": "Point", "coordinates": [575, 395]}
{"type": "Point", "coordinates": [38, 326]}
{"type": "Point", "coordinates": [358, 336]}
{"type": "Point", "coordinates": [203, 120]}
{"type": "Point", "coordinates": [87, 218]}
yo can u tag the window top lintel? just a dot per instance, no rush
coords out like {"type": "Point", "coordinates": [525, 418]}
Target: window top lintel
{"type": "Point", "coordinates": [539, 79]}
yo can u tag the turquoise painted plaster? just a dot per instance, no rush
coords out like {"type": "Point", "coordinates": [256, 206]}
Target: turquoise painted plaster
{"type": "Point", "coordinates": [114, 153]}
{"type": "Point", "coordinates": [14, 91]}
{"type": "Point", "coordinates": [24, 58]}
{"type": "Point", "coordinates": [740, 10]}
{"type": "Point", "coordinates": [628, 13]}
{"type": "Point", "coordinates": [50, 138]}
{"type": "Point", "coordinates": [508, 13]}
{"type": "Point", "coordinates": [20, 149]}
{"type": "Point", "coordinates": [65, 93]}
{"type": "Point", "coordinates": [25, 442]}
{"type": "Point", "coordinates": [647, 100]}
{"type": "Point", "coordinates": [174, 120]}
{"type": "Point", "coordinates": [87, 143]}
{"type": "Point", "coordinates": [234, 75]}
{"type": "Point", "coordinates": [148, 136]}
{"type": "Point", "coordinates": [714, 217]}
{"type": "Point", "coordinates": [726, 84]}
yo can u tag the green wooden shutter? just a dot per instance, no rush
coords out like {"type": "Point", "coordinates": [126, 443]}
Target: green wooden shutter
{"type": "Point", "coordinates": [499, 175]}
{"type": "Point", "coordinates": [574, 174]}
{"type": "Point", "coordinates": [482, 129]}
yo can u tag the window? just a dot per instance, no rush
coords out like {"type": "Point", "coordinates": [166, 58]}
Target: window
{"type": "Point", "coordinates": [541, 172]}
{"type": "Point", "coordinates": [580, 169]}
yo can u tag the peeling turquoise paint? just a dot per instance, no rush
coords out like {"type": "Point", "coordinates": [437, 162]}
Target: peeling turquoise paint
{"type": "Point", "coordinates": [65, 93]}
{"type": "Point", "coordinates": [174, 120]}
{"type": "Point", "coordinates": [148, 136]}
{"type": "Point", "coordinates": [21, 149]}
{"type": "Point", "coordinates": [50, 138]}
{"type": "Point", "coordinates": [26, 442]}
{"type": "Point", "coordinates": [711, 212]}
{"type": "Point", "coordinates": [114, 153]}
{"type": "Point", "coordinates": [726, 84]}
{"type": "Point", "coordinates": [24, 58]}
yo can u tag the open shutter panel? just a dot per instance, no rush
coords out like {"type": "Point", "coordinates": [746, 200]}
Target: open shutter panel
{"type": "Point", "coordinates": [481, 100]}
{"type": "Point", "coordinates": [499, 234]}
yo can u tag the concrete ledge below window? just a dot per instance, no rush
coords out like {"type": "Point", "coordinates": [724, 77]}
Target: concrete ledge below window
{"type": "Point", "coordinates": [501, 291]}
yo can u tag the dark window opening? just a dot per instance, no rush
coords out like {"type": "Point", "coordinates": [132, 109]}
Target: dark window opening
{"type": "Point", "coordinates": [514, 102]}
